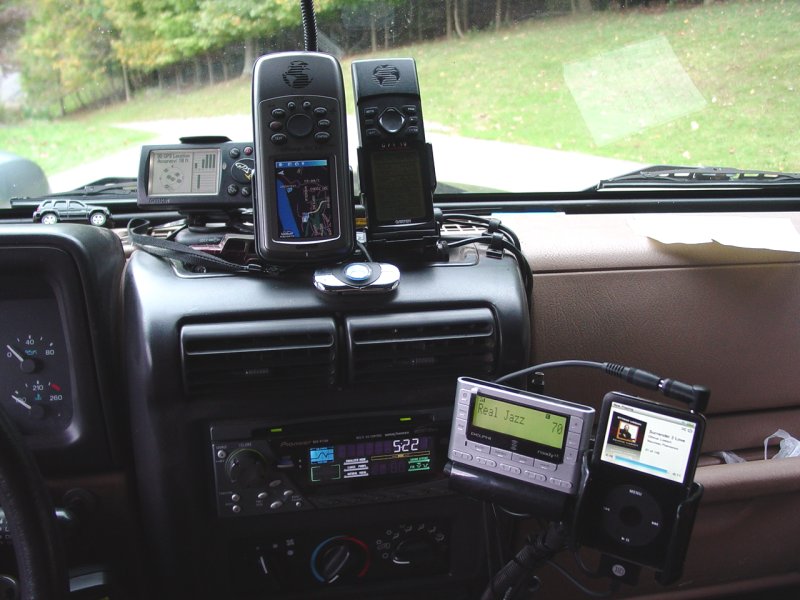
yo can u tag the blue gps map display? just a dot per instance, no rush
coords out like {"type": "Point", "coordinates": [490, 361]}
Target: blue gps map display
{"type": "Point", "coordinates": [303, 196]}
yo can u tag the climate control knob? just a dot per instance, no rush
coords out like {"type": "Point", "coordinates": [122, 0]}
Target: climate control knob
{"type": "Point", "coordinates": [247, 468]}
{"type": "Point", "coordinates": [340, 558]}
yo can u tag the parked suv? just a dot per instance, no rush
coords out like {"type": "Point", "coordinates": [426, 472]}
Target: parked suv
{"type": "Point", "coordinates": [53, 211]}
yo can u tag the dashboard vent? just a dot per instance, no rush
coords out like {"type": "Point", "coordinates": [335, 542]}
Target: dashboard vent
{"type": "Point", "coordinates": [259, 355]}
{"type": "Point", "coordinates": [422, 345]}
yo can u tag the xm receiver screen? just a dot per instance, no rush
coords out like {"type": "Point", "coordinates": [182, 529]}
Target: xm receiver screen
{"type": "Point", "coordinates": [332, 463]}
{"type": "Point", "coordinates": [303, 196]}
{"type": "Point", "coordinates": [397, 179]}
{"type": "Point", "coordinates": [649, 442]}
{"type": "Point", "coordinates": [193, 172]}
{"type": "Point", "coordinates": [519, 422]}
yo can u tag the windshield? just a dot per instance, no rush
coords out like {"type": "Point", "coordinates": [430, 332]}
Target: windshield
{"type": "Point", "coordinates": [518, 95]}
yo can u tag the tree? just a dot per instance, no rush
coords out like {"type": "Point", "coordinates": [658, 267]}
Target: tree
{"type": "Point", "coordinates": [227, 21]}
{"type": "Point", "coordinates": [59, 58]}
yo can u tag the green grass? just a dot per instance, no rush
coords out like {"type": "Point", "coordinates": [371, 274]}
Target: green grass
{"type": "Point", "coordinates": [743, 56]}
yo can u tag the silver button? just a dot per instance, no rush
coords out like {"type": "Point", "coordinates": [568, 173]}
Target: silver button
{"type": "Point", "coordinates": [500, 453]}
{"type": "Point", "coordinates": [235, 497]}
{"type": "Point", "coordinates": [535, 476]}
{"type": "Point", "coordinates": [570, 456]}
{"type": "Point", "coordinates": [575, 424]}
{"type": "Point", "coordinates": [573, 440]}
{"type": "Point", "coordinates": [276, 505]}
{"type": "Point", "coordinates": [478, 447]}
{"type": "Point", "coordinates": [543, 465]}
{"type": "Point", "coordinates": [236, 508]}
{"type": "Point", "coordinates": [522, 459]}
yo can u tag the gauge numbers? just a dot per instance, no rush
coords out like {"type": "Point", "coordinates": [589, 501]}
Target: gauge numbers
{"type": "Point", "coordinates": [34, 369]}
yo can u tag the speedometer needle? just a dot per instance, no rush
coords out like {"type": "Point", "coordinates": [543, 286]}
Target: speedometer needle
{"type": "Point", "coordinates": [15, 353]}
{"type": "Point", "coordinates": [22, 402]}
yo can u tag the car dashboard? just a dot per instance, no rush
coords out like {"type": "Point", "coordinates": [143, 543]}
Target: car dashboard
{"type": "Point", "coordinates": [187, 423]}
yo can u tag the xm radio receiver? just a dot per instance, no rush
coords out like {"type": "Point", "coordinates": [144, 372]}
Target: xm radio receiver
{"type": "Point", "coordinates": [521, 435]}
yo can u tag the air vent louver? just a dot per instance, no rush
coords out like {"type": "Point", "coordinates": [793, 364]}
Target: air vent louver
{"type": "Point", "coordinates": [259, 355]}
{"type": "Point", "coordinates": [424, 345]}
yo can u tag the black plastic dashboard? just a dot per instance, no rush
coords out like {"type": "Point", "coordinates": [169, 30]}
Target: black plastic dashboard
{"type": "Point", "coordinates": [58, 315]}
{"type": "Point", "coordinates": [234, 380]}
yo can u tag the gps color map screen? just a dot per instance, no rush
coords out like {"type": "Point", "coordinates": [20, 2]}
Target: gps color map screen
{"type": "Point", "coordinates": [303, 196]}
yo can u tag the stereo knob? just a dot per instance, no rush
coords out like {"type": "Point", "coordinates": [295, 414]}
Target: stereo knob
{"type": "Point", "coordinates": [340, 558]}
{"type": "Point", "coordinates": [247, 468]}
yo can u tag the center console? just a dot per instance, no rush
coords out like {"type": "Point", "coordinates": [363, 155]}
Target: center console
{"type": "Point", "coordinates": [291, 444]}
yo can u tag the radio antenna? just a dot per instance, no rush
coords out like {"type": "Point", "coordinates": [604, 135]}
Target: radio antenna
{"type": "Point", "coordinates": [309, 25]}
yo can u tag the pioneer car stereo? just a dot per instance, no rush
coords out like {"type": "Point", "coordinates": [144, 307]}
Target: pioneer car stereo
{"type": "Point", "coordinates": [303, 466]}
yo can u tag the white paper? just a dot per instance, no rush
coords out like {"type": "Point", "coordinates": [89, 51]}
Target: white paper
{"type": "Point", "coordinates": [743, 232]}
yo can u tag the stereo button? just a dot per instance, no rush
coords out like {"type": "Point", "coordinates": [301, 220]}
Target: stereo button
{"type": "Point", "coordinates": [500, 453]}
{"type": "Point", "coordinates": [521, 459]}
{"type": "Point", "coordinates": [485, 461]}
{"type": "Point", "coordinates": [575, 424]}
{"type": "Point", "coordinates": [462, 455]}
{"type": "Point", "coordinates": [574, 440]}
{"type": "Point", "coordinates": [276, 505]}
{"type": "Point", "coordinates": [461, 413]}
{"type": "Point", "coordinates": [538, 477]}
{"type": "Point", "coordinates": [461, 425]}
{"type": "Point", "coordinates": [543, 465]}
{"type": "Point", "coordinates": [479, 447]}
{"type": "Point", "coordinates": [510, 469]}
{"type": "Point", "coordinates": [570, 456]}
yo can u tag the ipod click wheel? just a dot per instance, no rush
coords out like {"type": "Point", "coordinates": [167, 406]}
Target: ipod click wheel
{"type": "Point", "coordinates": [358, 278]}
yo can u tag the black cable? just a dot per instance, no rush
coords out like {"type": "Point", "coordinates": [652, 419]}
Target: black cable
{"type": "Point", "coordinates": [462, 218]}
{"type": "Point", "coordinates": [571, 578]}
{"type": "Point", "coordinates": [696, 396]}
{"type": "Point", "coordinates": [309, 25]}
{"type": "Point", "coordinates": [522, 262]}
{"type": "Point", "coordinates": [363, 248]}
{"type": "Point", "coordinates": [552, 365]}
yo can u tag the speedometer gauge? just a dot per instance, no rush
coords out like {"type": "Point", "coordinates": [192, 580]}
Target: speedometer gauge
{"type": "Point", "coordinates": [34, 367]}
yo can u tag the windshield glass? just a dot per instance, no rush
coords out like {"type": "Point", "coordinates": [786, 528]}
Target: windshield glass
{"type": "Point", "coordinates": [518, 95]}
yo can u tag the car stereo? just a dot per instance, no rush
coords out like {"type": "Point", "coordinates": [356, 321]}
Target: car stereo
{"type": "Point", "coordinates": [303, 466]}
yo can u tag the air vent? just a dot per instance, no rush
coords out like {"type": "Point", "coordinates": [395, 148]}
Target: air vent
{"type": "Point", "coordinates": [258, 356]}
{"type": "Point", "coordinates": [423, 345]}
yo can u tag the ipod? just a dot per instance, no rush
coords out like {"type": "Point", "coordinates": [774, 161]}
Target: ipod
{"type": "Point", "coordinates": [641, 472]}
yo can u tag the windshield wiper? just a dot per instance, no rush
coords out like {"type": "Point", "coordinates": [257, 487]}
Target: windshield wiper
{"type": "Point", "coordinates": [670, 176]}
